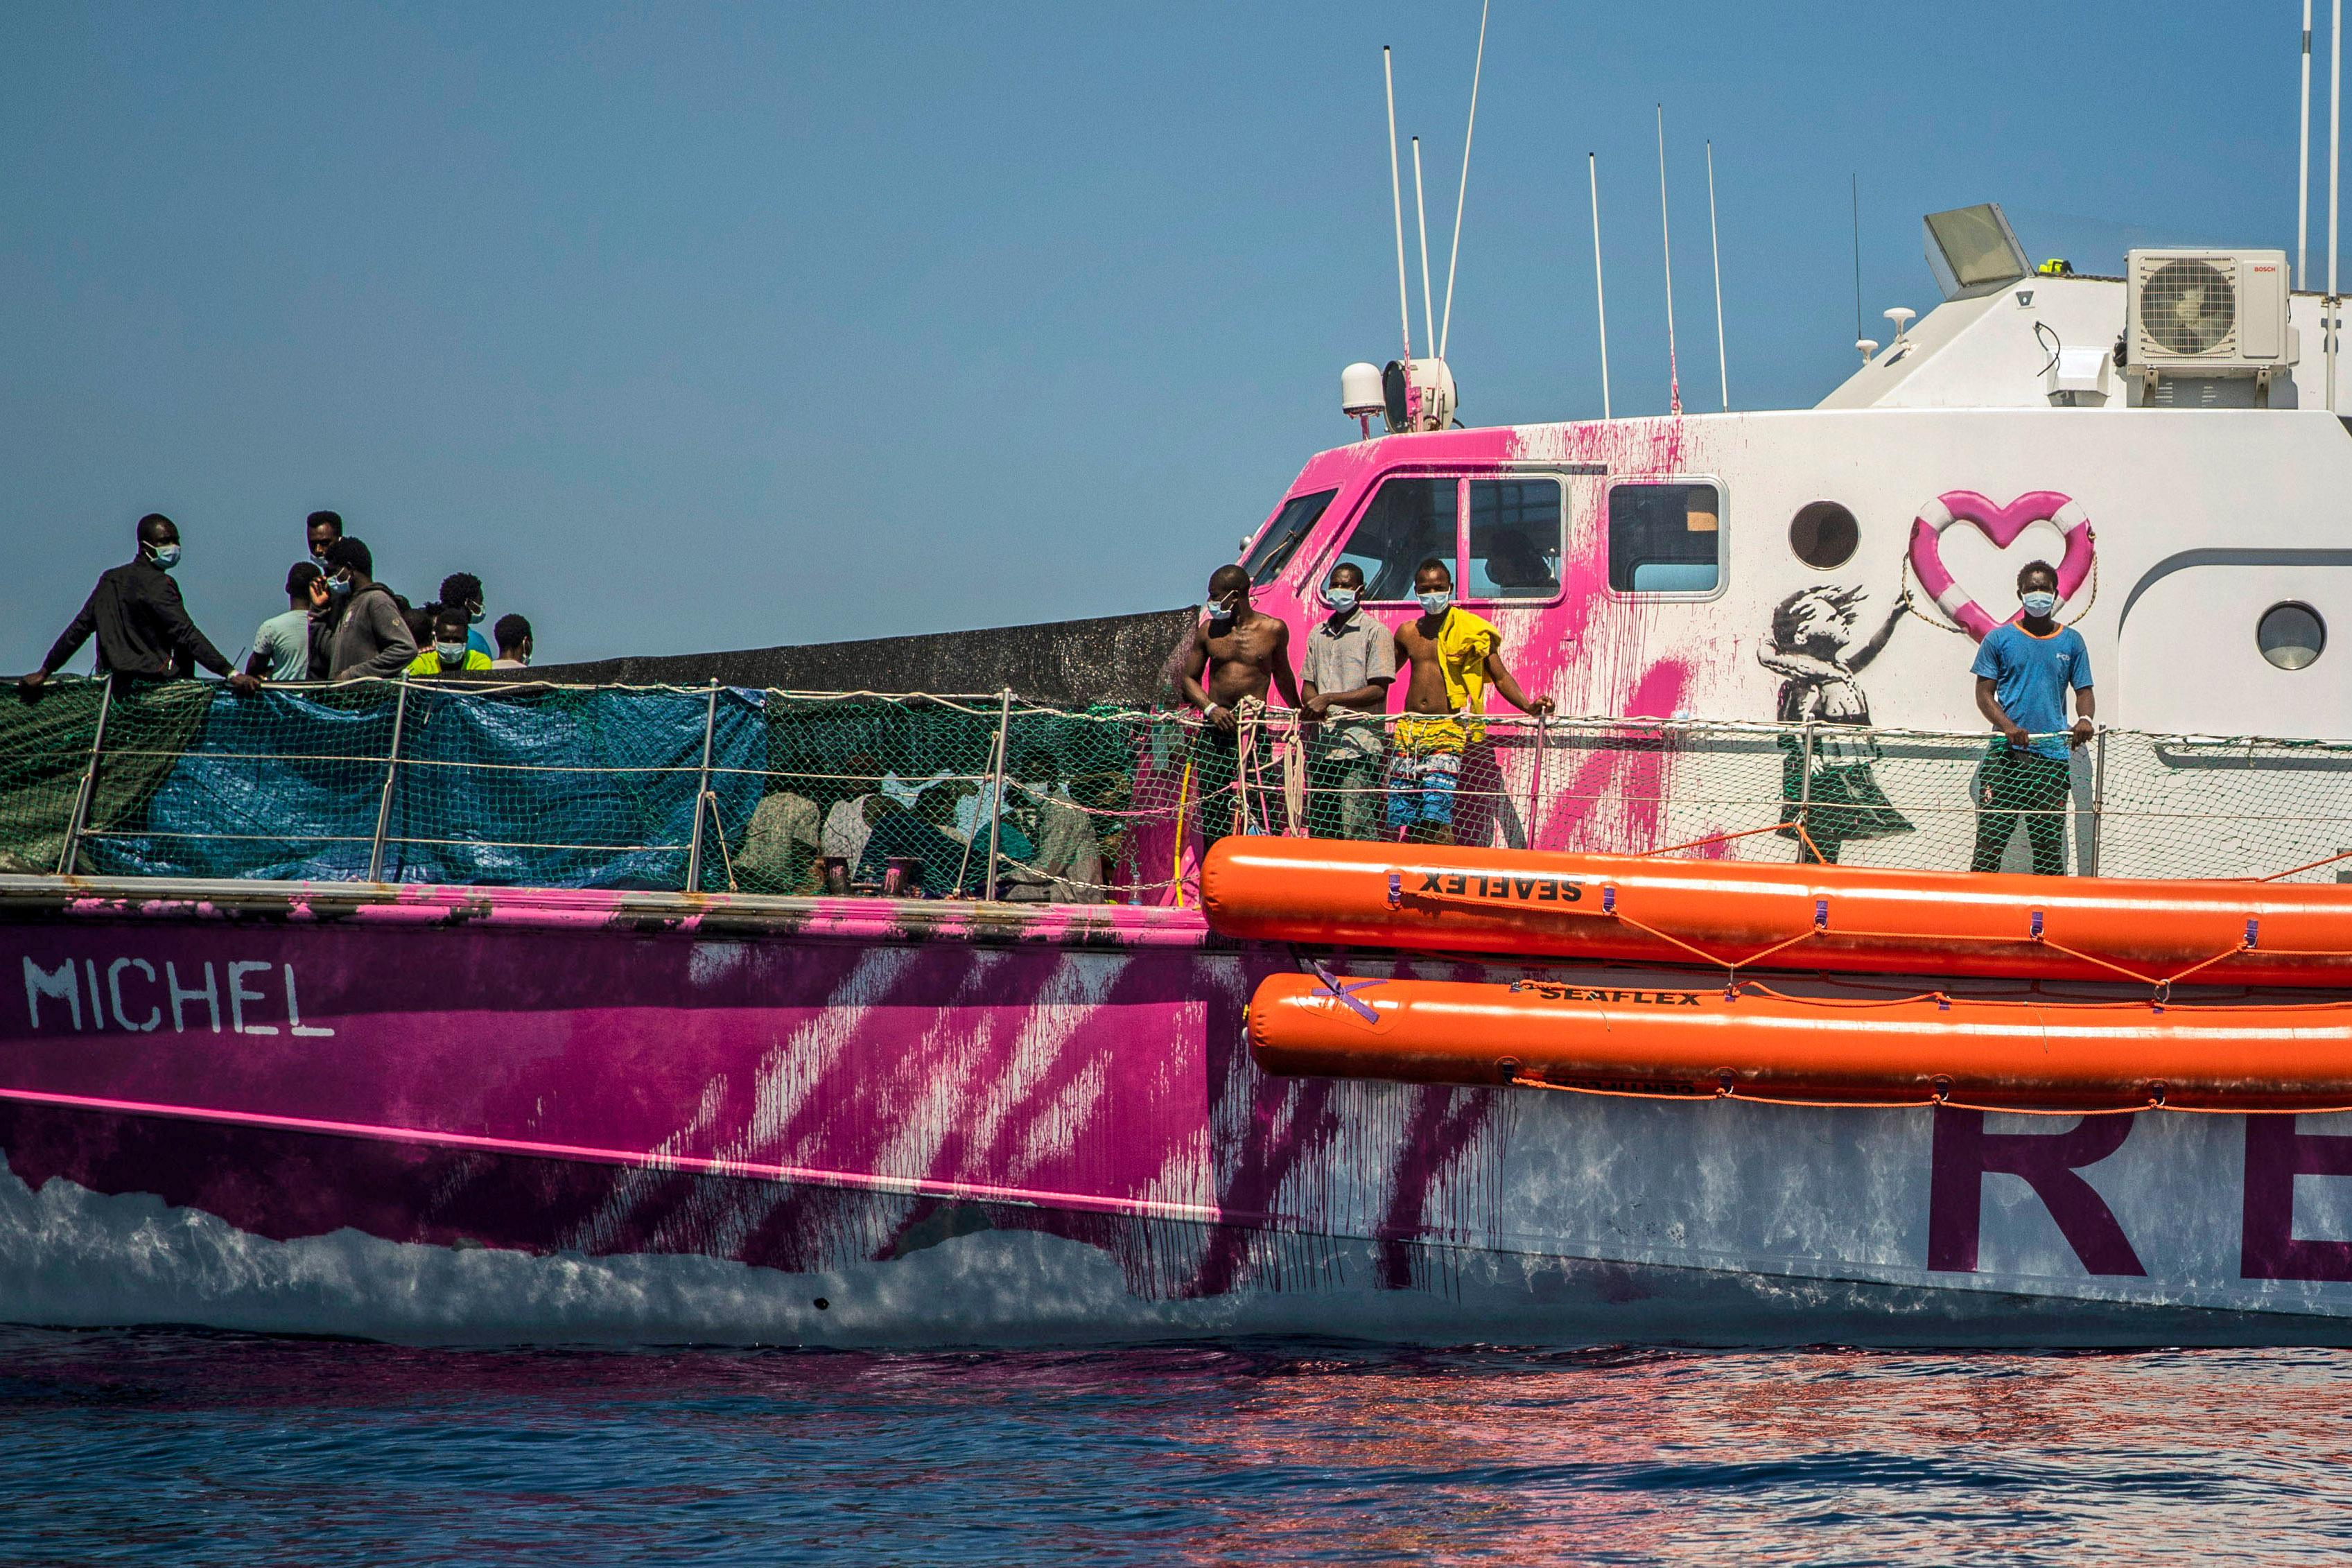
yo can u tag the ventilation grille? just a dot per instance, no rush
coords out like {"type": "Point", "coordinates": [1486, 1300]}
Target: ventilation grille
{"type": "Point", "coordinates": [2189, 307]}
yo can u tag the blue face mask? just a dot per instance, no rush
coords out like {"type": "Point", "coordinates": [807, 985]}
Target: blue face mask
{"type": "Point", "coordinates": [1219, 610]}
{"type": "Point", "coordinates": [340, 587]}
{"type": "Point", "coordinates": [1340, 599]}
{"type": "Point", "coordinates": [167, 555]}
{"type": "Point", "coordinates": [473, 617]}
{"type": "Point", "coordinates": [1437, 602]}
{"type": "Point", "coordinates": [2038, 603]}
{"type": "Point", "coordinates": [451, 654]}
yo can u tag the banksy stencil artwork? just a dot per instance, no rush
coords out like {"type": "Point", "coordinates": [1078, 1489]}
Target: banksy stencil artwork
{"type": "Point", "coordinates": [1813, 648]}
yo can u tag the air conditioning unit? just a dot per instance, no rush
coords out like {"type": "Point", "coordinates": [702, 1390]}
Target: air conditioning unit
{"type": "Point", "coordinates": [2206, 314]}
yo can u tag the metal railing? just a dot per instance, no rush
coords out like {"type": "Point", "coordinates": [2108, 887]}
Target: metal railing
{"type": "Point", "coordinates": [638, 787]}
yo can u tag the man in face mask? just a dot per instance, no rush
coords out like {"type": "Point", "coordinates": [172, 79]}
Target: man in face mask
{"type": "Point", "coordinates": [1453, 656]}
{"type": "Point", "coordinates": [1235, 655]}
{"type": "Point", "coordinates": [324, 528]}
{"type": "Point", "coordinates": [141, 625]}
{"type": "Point", "coordinates": [514, 643]}
{"type": "Point", "coordinates": [370, 637]}
{"type": "Point", "coordinates": [2023, 672]}
{"type": "Point", "coordinates": [464, 590]}
{"type": "Point", "coordinates": [449, 654]}
{"type": "Point", "coordinates": [1349, 664]}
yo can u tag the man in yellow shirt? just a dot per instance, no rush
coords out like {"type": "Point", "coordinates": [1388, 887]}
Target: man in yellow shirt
{"type": "Point", "coordinates": [1453, 656]}
{"type": "Point", "coordinates": [449, 655]}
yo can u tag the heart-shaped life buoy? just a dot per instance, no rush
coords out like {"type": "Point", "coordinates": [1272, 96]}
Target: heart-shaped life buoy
{"type": "Point", "coordinates": [2001, 524]}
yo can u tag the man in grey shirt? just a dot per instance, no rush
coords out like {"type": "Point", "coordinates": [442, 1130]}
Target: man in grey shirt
{"type": "Point", "coordinates": [1351, 660]}
{"type": "Point", "coordinates": [371, 635]}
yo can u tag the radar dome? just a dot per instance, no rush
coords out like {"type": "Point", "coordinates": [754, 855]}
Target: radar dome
{"type": "Point", "coordinates": [1360, 391]}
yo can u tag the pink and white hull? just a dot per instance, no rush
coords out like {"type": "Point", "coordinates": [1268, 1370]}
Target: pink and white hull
{"type": "Point", "coordinates": [453, 1114]}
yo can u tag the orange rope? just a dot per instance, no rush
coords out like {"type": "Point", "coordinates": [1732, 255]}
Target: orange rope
{"type": "Point", "coordinates": [1730, 964]}
{"type": "Point", "coordinates": [2233, 953]}
{"type": "Point", "coordinates": [1718, 838]}
{"type": "Point", "coordinates": [2103, 964]}
{"type": "Point", "coordinates": [1668, 936]}
{"type": "Point", "coordinates": [1522, 1081]}
{"type": "Point", "coordinates": [2314, 865]}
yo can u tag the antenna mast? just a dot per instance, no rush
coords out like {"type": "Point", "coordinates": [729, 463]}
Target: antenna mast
{"type": "Point", "coordinates": [1421, 213]}
{"type": "Point", "coordinates": [2303, 162]}
{"type": "Point", "coordinates": [1600, 295]}
{"type": "Point", "coordinates": [2334, 146]}
{"type": "Point", "coordinates": [1396, 203]}
{"type": "Point", "coordinates": [1857, 256]}
{"type": "Point", "coordinates": [1445, 332]}
{"type": "Point", "coordinates": [1722, 364]}
{"type": "Point", "coordinates": [1673, 376]}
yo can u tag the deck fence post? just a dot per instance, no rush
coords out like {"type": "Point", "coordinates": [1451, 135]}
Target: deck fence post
{"type": "Point", "coordinates": [391, 771]}
{"type": "Point", "coordinates": [1536, 781]}
{"type": "Point", "coordinates": [88, 792]}
{"type": "Point", "coordinates": [2098, 798]}
{"type": "Point", "coordinates": [702, 792]}
{"type": "Point", "coordinates": [996, 799]}
{"type": "Point", "coordinates": [1805, 793]}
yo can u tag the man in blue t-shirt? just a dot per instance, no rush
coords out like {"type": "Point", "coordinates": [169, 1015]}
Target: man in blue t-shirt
{"type": "Point", "coordinates": [2023, 672]}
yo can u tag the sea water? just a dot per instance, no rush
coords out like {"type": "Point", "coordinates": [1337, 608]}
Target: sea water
{"type": "Point", "coordinates": [161, 1446]}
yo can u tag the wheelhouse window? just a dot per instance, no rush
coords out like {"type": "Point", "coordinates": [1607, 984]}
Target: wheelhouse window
{"type": "Point", "coordinates": [1665, 537]}
{"type": "Point", "coordinates": [1410, 519]}
{"type": "Point", "coordinates": [1284, 535]}
{"type": "Point", "coordinates": [1516, 531]}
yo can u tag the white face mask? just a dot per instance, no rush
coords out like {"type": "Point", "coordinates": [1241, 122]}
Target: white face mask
{"type": "Point", "coordinates": [1437, 602]}
{"type": "Point", "coordinates": [2038, 603]}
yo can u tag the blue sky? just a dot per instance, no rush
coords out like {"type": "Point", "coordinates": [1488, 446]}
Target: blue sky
{"type": "Point", "coordinates": [692, 327]}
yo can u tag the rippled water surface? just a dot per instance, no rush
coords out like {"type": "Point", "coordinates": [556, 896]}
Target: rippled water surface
{"type": "Point", "coordinates": [153, 1447]}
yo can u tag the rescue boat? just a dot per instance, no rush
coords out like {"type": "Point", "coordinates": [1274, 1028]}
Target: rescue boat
{"type": "Point", "coordinates": [1751, 1043]}
{"type": "Point", "coordinates": [1739, 915]}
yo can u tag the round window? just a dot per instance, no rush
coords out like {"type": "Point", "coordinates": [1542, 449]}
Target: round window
{"type": "Point", "coordinates": [1824, 534]}
{"type": "Point", "coordinates": [2290, 635]}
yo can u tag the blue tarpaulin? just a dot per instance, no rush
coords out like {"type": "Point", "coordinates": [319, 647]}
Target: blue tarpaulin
{"type": "Point", "coordinates": [494, 786]}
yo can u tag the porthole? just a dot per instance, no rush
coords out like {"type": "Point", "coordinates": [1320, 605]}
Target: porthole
{"type": "Point", "coordinates": [1824, 534]}
{"type": "Point", "coordinates": [2290, 635]}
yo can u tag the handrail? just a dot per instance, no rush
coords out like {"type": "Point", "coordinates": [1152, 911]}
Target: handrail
{"type": "Point", "coordinates": [2139, 803]}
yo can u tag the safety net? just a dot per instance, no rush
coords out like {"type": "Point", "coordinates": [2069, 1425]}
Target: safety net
{"type": "Point", "coordinates": [726, 788]}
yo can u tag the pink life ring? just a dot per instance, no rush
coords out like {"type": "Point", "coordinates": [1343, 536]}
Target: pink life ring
{"type": "Point", "coordinates": [2001, 524]}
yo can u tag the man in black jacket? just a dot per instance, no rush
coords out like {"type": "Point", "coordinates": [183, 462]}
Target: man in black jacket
{"type": "Point", "coordinates": [370, 637]}
{"type": "Point", "coordinates": [142, 628]}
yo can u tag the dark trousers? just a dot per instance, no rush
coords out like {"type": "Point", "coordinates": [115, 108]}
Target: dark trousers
{"type": "Point", "coordinates": [1226, 782]}
{"type": "Point", "coordinates": [1344, 794]}
{"type": "Point", "coordinates": [2022, 786]}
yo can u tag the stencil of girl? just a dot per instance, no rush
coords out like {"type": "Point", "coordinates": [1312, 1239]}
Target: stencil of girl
{"type": "Point", "coordinates": [1812, 648]}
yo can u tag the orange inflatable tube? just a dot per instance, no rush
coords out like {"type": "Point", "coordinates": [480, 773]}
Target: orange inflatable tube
{"type": "Point", "coordinates": [1620, 908]}
{"type": "Point", "coordinates": [1700, 1044]}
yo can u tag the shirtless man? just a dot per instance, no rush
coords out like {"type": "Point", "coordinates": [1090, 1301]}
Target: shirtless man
{"type": "Point", "coordinates": [1231, 659]}
{"type": "Point", "coordinates": [1453, 656]}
